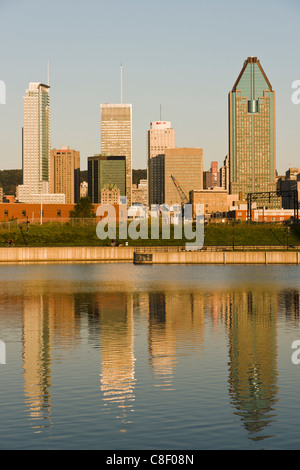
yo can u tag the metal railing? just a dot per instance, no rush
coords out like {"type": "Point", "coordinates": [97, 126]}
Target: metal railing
{"type": "Point", "coordinates": [160, 249]}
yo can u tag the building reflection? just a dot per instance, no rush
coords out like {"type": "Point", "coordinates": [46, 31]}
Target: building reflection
{"type": "Point", "coordinates": [251, 320]}
{"type": "Point", "coordinates": [48, 323]}
{"type": "Point", "coordinates": [117, 378]}
{"type": "Point", "coordinates": [174, 324]}
{"type": "Point", "coordinates": [37, 360]}
{"type": "Point", "coordinates": [290, 303]}
{"type": "Point", "coordinates": [175, 319]}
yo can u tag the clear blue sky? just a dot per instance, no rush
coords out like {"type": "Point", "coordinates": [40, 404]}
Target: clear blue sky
{"type": "Point", "coordinates": [184, 55]}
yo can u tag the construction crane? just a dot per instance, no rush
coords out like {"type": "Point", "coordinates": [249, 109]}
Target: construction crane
{"type": "Point", "coordinates": [184, 199]}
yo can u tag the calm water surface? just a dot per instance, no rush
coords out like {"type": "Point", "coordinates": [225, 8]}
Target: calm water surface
{"type": "Point", "coordinates": [117, 356]}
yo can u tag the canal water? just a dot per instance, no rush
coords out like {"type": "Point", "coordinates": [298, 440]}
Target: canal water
{"type": "Point", "coordinates": [118, 356]}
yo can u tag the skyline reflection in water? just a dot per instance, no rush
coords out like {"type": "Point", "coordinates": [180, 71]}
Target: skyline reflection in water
{"type": "Point", "coordinates": [105, 355]}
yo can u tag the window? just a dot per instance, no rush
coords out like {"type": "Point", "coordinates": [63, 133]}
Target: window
{"type": "Point", "coordinates": [5, 213]}
{"type": "Point", "coordinates": [59, 213]}
{"type": "Point", "coordinates": [23, 213]}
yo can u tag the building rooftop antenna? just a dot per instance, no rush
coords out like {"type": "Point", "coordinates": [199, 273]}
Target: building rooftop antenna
{"type": "Point", "coordinates": [48, 73]}
{"type": "Point", "coordinates": [121, 83]}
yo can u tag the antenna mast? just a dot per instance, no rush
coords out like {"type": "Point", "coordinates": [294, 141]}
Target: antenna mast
{"type": "Point", "coordinates": [48, 73]}
{"type": "Point", "coordinates": [121, 84]}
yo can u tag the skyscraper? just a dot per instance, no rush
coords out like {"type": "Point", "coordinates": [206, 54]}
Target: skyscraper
{"type": "Point", "coordinates": [160, 136]}
{"type": "Point", "coordinates": [252, 145]}
{"type": "Point", "coordinates": [36, 144]}
{"type": "Point", "coordinates": [65, 173]}
{"type": "Point", "coordinates": [104, 172]}
{"type": "Point", "coordinates": [185, 165]}
{"type": "Point", "coordinates": [116, 136]}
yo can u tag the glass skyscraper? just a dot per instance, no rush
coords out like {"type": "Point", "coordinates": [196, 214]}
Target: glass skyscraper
{"type": "Point", "coordinates": [104, 171]}
{"type": "Point", "coordinates": [252, 142]}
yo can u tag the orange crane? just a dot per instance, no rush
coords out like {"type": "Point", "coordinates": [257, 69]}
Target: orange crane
{"type": "Point", "coordinates": [184, 199]}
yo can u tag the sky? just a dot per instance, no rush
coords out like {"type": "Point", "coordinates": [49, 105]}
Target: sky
{"type": "Point", "coordinates": [184, 56]}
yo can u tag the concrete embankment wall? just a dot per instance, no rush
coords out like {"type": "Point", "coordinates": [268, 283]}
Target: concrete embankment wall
{"type": "Point", "coordinates": [126, 254]}
{"type": "Point", "coordinates": [220, 257]}
{"type": "Point", "coordinates": [65, 254]}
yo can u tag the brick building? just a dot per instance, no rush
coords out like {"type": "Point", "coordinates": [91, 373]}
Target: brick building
{"type": "Point", "coordinates": [51, 212]}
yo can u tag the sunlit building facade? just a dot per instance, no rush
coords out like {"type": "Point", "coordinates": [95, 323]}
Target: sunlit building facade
{"type": "Point", "coordinates": [252, 142]}
{"type": "Point", "coordinates": [65, 173]}
{"type": "Point", "coordinates": [116, 136]}
{"type": "Point", "coordinates": [183, 164]}
{"type": "Point", "coordinates": [36, 146]}
{"type": "Point", "coordinates": [160, 136]}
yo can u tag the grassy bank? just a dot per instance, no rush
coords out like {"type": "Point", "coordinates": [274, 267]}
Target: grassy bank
{"type": "Point", "coordinates": [58, 234]}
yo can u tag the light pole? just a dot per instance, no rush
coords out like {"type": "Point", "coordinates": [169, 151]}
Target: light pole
{"type": "Point", "coordinates": [41, 220]}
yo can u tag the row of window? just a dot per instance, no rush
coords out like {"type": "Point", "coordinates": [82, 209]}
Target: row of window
{"type": "Point", "coordinates": [58, 213]}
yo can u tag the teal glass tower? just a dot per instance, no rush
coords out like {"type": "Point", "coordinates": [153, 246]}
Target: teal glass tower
{"type": "Point", "coordinates": [104, 171]}
{"type": "Point", "coordinates": [252, 140]}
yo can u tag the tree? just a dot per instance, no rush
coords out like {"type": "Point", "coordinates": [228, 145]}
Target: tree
{"type": "Point", "coordinates": [84, 209]}
{"type": "Point", "coordinates": [138, 175]}
{"type": "Point", "coordinates": [9, 179]}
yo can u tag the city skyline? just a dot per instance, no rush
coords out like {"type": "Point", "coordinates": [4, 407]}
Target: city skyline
{"type": "Point", "coordinates": [184, 82]}
{"type": "Point", "coordinates": [150, 227]}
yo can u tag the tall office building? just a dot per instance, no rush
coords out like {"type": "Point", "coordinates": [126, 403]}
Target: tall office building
{"type": "Point", "coordinates": [252, 145]}
{"type": "Point", "coordinates": [36, 145]}
{"type": "Point", "coordinates": [160, 136]}
{"type": "Point", "coordinates": [104, 172]}
{"type": "Point", "coordinates": [116, 137]}
{"type": "Point", "coordinates": [65, 173]}
{"type": "Point", "coordinates": [185, 165]}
